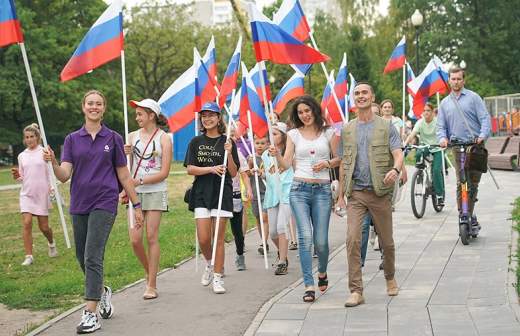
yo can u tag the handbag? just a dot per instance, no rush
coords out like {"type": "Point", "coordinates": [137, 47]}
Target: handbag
{"type": "Point", "coordinates": [187, 195]}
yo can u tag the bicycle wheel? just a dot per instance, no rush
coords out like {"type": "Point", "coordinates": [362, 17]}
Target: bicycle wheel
{"type": "Point", "coordinates": [464, 233]}
{"type": "Point", "coordinates": [418, 194]}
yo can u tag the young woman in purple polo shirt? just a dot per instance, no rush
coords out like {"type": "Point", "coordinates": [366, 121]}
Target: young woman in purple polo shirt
{"type": "Point", "coordinates": [205, 160]}
{"type": "Point", "coordinates": [94, 158]}
{"type": "Point", "coordinates": [151, 155]}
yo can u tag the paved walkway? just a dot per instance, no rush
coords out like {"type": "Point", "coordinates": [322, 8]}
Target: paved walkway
{"type": "Point", "coordinates": [446, 288]}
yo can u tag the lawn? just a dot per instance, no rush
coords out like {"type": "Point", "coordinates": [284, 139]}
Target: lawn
{"type": "Point", "coordinates": [6, 177]}
{"type": "Point", "coordinates": [58, 283]}
{"type": "Point", "coordinates": [516, 223]}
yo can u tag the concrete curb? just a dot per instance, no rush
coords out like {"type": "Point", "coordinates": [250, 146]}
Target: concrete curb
{"type": "Point", "coordinates": [262, 312]}
{"type": "Point", "coordinates": [72, 310]}
{"type": "Point", "coordinates": [513, 298]}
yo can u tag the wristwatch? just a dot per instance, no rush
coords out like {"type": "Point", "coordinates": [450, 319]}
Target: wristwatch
{"type": "Point", "coordinates": [396, 170]}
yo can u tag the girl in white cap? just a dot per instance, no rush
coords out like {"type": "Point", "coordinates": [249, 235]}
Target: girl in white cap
{"type": "Point", "coordinates": [205, 160]}
{"type": "Point", "coordinates": [151, 154]}
{"type": "Point", "coordinates": [276, 199]}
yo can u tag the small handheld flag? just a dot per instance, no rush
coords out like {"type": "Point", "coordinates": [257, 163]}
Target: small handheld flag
{"type": "Point", "coordinates": [10, 28]}
{"type": "Point", "coordinates": [229, 82]}
{"type": "Point", "coordinates": [273, 43]}
{"type": "Point", "coordinates": [102, 43]}
{"type": "Point", "coordinates": [292, 89]}
{"type": "Point", "coordinates": [398, 57]}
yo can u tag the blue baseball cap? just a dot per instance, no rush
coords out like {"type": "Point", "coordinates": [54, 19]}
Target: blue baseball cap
{"type": "Point", "coordinates": [210, 106]}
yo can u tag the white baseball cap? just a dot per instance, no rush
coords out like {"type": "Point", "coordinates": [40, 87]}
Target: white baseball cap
{"type": "Point", "coordinates": [148, 103]}
{"type": "Point", "coordinates": [282, 127]}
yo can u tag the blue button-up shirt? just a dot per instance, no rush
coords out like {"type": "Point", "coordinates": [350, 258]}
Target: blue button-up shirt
{"type": "Point", "coordinates": [450, 123]}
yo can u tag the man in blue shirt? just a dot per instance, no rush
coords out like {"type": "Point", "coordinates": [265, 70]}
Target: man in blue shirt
{"type": "Point", "coordinates": [463, 116]}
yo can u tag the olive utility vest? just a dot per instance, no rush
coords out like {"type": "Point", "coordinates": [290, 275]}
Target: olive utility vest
{"type": "Point", "coordinates": [380, 158]}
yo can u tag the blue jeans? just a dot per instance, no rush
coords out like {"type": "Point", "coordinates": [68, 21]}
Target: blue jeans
{"type": "Point", "coordinates": [311, 206]}
{"type": "Point", "coordinates": [364, 238]}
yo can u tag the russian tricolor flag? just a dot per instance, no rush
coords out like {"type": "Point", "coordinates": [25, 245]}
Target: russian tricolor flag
{"type": "Point", "coordinates": [207, 74]}
{"type": "Point", "coordinates": [415, 110]}
{"type": "Point", "coordinates": [249, 101]}
{"type": "Point", "coordinates": [273, 43]}
{"type": "Point", "coordinates": [290, 17]}
{"type": "Point", "coordinates": [428, 83]}
{"type": "Point", "coordinates": [341, 89]}
{"type": "Point", "coordinates": [350, 103]}
{"type": "Point", "coordinates": [254, 74]}
{"type": "Point", "coordinates": [10, 28]}
{"type": "Point", "coordinates": [292, 89]}
{"type": "Point", "coordinates": [229, 82]}
{"type": "Point", "coordinates": [398, 57]}
{"type": "Point", "coordinates": [180, 101]}
{"type": "Point", "coordinates": [102, 43]}
{"type": "Point", "coordinates": [327, 93]}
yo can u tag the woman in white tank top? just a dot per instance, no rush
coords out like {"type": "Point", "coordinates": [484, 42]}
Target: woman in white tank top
{"type": "Point", "coordinates": [151, 155]}
{"type": "Point", "coordinates": [311, 146]}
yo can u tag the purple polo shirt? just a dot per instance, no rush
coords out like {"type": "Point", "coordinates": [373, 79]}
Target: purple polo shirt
{"type": "Point", "coordinates": [94, 184]}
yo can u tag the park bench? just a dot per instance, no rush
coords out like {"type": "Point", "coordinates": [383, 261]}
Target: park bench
{"type": "Point", "coordinates": [508, 157]}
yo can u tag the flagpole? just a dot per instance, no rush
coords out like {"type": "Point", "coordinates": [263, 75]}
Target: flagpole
{"type": "Point", "coordinates": [258, 198]}
{"type": "Point", "coordinates": [346, 95]}
{"type": "Point", "coordinates": [220, 196]}
{"type": "Point", "coordinates": [196, 120]}
{"type": "Point", "coordinates": [45, 144]}
{"type": "Point", "coordinates": [331, 83]}
{"type": "Point", "coordinates": [125, 115]}
{"type": "Point", "coordinates": [404, 102]}
{"type": "Point", "coordinates": [438, 99]}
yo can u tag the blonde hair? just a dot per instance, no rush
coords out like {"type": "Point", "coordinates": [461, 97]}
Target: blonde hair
{"type": "Point", "coordinates": [34, 129]}
{"type": "Point", "coordinates": [91, 92]}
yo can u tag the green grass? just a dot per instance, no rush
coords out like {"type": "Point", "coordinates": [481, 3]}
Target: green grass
{"type": "Point", "coordinates": [6, 177]}
{"type": "Point", "coordinates": [58, 283]}
{"type": "Point", "coordinates": [516, 224]}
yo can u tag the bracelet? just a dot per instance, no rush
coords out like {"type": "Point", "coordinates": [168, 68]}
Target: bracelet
{"type": "Point", "coordinates": [137, 205]}
{"type": "Point", "coordinates": [396, 170]}
{"type": "Point", "coordinates": [328, 163]}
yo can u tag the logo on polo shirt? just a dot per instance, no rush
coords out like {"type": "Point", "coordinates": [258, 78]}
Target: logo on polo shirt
{"type": "Point", "coordinates": [107, 149]}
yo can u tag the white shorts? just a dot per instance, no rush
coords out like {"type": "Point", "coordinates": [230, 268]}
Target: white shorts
{"type": "Point", "coordinates": [207, 213]}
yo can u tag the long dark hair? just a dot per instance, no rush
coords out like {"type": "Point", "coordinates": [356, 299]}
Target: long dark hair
{"type": "Point", "coordinates": [319, 121]}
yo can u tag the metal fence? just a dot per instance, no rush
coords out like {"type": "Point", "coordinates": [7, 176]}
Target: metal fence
{"type": "Point", "coordinates": [498, 105]}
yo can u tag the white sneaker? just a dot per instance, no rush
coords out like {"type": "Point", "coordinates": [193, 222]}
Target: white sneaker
{"type": "Point", "coordinates": [218, 284]}
{"type": "Point", "coordinates": [106, 308]}
{"type": "Point", "coordinates": [88, 324]}
{"type": "Point", "coordinates": [207, 276]}
{"type": "Point", "coordinates": [53, 251]}
{"type": "Point", "coordinates": [28, 260]}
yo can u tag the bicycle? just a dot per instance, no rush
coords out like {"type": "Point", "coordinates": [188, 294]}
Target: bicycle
{"type": "Point", "coordinates": [466, 229]}
{"type": "Point", "coordinates": [422, 186]}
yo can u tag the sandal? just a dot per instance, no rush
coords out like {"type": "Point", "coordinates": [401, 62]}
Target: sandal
{"type": "Point", "coordinates": [323, 283]}
{"type": "Point", "coordinates": [150, 293]}
{"type": "Point", "coordinates": [309, 296]}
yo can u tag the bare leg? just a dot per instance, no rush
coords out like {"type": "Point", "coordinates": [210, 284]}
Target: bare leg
{"type": "Point", "coordinates": [283, 246]}
{"type": "Point", "coordinates": [27, 233]}
{"type": "Point", "coordinates": [220, 253]}
{"type": "Point", "coordinates": [204, 234]}
{"type": "Point", "coordinates": [43, 224]}
{"type": "Point", "coordinates": [153, 219]}
{"type": "Point", "coordinates": [136, 239]}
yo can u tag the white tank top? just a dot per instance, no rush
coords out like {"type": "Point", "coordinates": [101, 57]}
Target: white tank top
{"type": "Point", "coordinates": [151, 161]}
{"type": "Point", "coordinates": [309, 152]}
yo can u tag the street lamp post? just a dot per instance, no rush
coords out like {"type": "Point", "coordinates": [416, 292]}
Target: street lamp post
{"type": "Point", "coordinates": [417, 21]}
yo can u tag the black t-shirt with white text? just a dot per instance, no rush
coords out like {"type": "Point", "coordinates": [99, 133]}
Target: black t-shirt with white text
{"type": "Point", "coordinates": [204, 151]}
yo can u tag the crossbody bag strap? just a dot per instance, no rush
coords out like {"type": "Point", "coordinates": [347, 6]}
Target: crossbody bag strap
{"type": "Point", "coordinates": [144, 151]}
{"type": "Point", "coordinates": [457, 105]}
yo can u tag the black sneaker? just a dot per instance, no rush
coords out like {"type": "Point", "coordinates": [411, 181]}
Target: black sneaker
{"type": "Point", "coordinates": [88, 324]}
{"type": "Point", "coordinates": [281, 269]}
{"type": "Point", "coordinates": [440, 200]}
{"type": "Point", "coordinates": [106, 309]}
{"type": "Point", "coordinates": [261, 249]}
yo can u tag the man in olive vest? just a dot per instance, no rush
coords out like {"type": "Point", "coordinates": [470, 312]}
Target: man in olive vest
{"type": "Point", "coordinates": [372, 157]}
